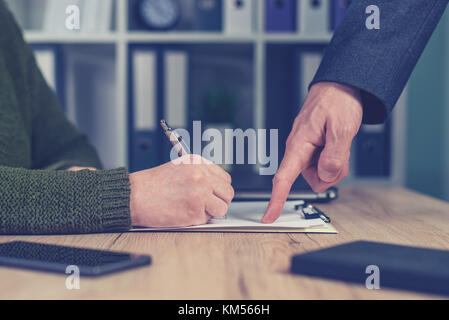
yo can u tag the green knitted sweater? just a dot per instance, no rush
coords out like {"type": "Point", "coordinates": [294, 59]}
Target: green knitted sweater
{"type": "Point", "coordinates": [37, 144]}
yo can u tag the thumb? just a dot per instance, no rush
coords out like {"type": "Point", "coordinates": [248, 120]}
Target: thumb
{"type": "Point", "coordinates": [334, 156]}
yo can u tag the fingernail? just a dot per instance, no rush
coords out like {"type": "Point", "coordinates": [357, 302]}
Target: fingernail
{"type": "Point", "coordinates": [265, 218]}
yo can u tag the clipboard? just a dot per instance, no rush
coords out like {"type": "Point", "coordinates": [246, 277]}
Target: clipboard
{"type": "Point", "coordinates": [244, 217]}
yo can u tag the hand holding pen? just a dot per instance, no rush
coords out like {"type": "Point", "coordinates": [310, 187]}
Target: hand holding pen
{"type": "Point", "coordinates": [221, 192]}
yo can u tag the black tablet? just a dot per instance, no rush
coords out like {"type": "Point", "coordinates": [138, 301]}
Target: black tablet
{"type": "Point", "coordinates": [400, 267]}
{"type": "Point", "coordinates": [253, 187]}
{"type": "Point", "coordinates": [60, 259]}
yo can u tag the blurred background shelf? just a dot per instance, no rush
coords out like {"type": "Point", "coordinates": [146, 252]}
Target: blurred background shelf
{"type": "Point", "coordinates": [170, 37]}
{"type": "Point", "coordinates": [275, 60]}
{"type": "Point", "coordinates": [37, 37]}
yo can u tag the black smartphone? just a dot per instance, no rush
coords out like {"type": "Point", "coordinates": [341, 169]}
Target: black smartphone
{"type": "Point", "coordinates": [399, 267]}
{"type": "Point", "coordinates": [57, 259]}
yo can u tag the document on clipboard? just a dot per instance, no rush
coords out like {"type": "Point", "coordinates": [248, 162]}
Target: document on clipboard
{"type": "Point", "coordinates": [245, 217]}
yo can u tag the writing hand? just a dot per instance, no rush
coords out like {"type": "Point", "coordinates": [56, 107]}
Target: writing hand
{"type": "Point", "coordinates": [180, 193]}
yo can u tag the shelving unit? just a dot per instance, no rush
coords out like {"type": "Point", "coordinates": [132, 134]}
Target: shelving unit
{"type": "Point", "coordinates": [121, 38]}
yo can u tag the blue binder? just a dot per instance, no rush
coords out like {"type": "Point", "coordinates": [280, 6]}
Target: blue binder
{"type": "Point", "coordinates": [208, 15]}
{"type": "Point", "coordinates": [338, 11]}
{"type": "Point", "coordinates": [373, 151]}
{"type": "Point", "coordinates": [280, 16]}
{"type": "Point", "coordinates": [144, 150]}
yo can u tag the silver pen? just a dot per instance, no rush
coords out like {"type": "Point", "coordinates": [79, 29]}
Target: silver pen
{"type": "Point", "coordinates": [175, 139]}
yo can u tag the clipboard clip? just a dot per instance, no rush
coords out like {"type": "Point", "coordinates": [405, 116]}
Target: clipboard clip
{"type": "Point", "coordinates": [310, 212]}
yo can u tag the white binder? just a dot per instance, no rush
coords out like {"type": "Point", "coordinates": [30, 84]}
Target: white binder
{"type": "Point", "coordinates": [104, 16]}
{"type": "Point", "coordinates": [239, 16]}
{"type": "Point", "coordinates": [314, 17]}
{"type": "Point", "coordinates": [89, 16]}
{"type": "Point", "coordinates": [145, 89]}
{"type": "Point", "coordinates": [176, 86]}
{"type": "Point", "coordinates": [309, 64]}
{"type": "Point", "coordinates": [46, 61]}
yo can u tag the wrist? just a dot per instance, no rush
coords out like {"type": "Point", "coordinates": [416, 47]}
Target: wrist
{"type": "Point", "coordinates": [81, 169]}
{"type": "Point", "coordinates": [339, 87]}
{"type": "Point", "coordinates": [132, 200]}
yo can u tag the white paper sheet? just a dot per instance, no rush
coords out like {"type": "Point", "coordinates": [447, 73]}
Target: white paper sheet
{"type": "Point", "coordinates": [247, 215]}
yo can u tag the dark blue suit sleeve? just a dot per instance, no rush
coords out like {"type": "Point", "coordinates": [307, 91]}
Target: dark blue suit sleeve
{"type": "Point", "coordinates": [379, 62]}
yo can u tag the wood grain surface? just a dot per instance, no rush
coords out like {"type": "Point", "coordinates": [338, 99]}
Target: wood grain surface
{"type": "Point", "coordinates": [245, 266]}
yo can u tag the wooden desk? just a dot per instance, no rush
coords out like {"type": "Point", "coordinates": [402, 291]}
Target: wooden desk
{"type": "Point", "coordinates": [245, 266]}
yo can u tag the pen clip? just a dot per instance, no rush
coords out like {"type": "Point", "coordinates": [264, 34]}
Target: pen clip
{"type": "Point", "coordinates": [310, 212]}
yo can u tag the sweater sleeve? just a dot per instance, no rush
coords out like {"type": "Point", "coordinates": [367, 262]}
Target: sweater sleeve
{"type": "Point", "coordinates": [379, 62]}
{"type": "Point", "coordinates": [63, 202]}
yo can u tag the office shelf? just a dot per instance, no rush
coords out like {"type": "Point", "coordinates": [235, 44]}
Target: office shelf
{"type": "Point", "coordinates": [121, 38]}
{"type": "Point", "coordinates": [186, 37]}
{"type": "Point", "coordinates": [172, 37]}
{"type": "Point", "coordinates": [37, 37]}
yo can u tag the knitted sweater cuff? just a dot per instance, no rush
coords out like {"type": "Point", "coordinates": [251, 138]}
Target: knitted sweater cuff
{"type": "Point", "coordinates": [115, 193]}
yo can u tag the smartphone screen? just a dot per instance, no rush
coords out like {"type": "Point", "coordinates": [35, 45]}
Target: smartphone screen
{"type": "Point", "coordinates": [57, 259]}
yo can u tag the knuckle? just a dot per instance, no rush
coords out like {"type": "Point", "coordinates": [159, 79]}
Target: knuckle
{"type": "Point", "coordinates": [296, 144]}
{"type": "Point", "coordinates": [345, 131]}
{"type": "Point", "coordinates": [332, 164]}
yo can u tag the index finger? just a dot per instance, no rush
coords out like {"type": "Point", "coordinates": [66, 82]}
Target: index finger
{"type": "Point", "coordinates": [291, 167]}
